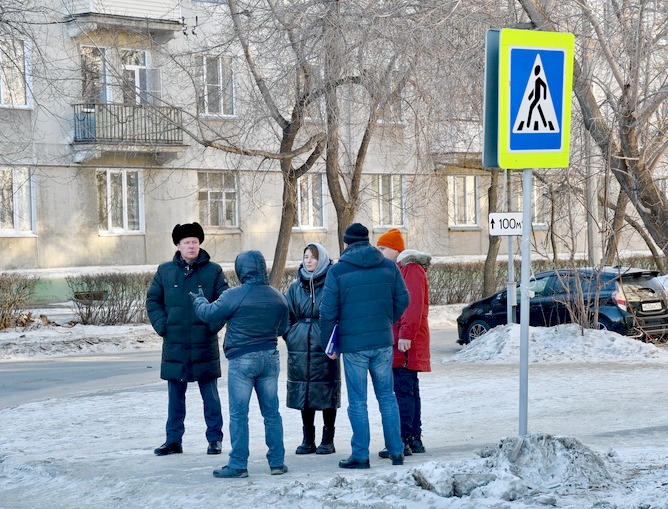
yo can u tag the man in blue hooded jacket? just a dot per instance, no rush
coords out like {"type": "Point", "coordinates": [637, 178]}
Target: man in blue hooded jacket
{"type": "Point", "coordinates": [364, 295]}
{"type": "Point", "coordinates": [255, 314]}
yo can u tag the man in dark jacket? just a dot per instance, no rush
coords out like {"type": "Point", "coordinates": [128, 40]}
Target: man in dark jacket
{"type": "Point", "coordinates": [364, 295]}
{"type": "Point", "coordinates": [190, 350]}
{"type": "Point", "coordinates": [256, 314]}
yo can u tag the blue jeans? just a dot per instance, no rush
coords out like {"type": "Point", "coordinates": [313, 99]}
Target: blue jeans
{"type": "Point", "coordinates": [407, 390]}
{"type": "Point", "coordinates": [259, 371]}
{"type": "Point", "coordinates": [378, 363]}
{"type": "Point", "coordinates": [176, 410]}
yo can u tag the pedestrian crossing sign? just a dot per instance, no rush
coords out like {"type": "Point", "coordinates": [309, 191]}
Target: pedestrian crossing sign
{"type": "Point", "coordinates": [534, 98]}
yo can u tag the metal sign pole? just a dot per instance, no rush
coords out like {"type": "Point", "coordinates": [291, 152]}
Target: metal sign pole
{"type": "Point", "coordinates": [524, 302]}
{"type": "Point", "coordinates": [511, 288]}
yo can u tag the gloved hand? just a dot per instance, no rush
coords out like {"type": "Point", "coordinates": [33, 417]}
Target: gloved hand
{"type": "Point", "coordinates": [193, 296]}
{"type": "Point", "coordinates": [404, 345]}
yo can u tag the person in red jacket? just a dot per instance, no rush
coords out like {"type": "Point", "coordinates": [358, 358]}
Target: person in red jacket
{"type": "Point", "coordinates": [411, 338]}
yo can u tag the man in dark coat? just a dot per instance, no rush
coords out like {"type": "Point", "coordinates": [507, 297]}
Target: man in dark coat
{"type": "Point", "coordinates": [190, 350]}
{"type": "Point", "coordinates": [255, 314]}
{"type": "Point", "coordinates": [364, 295]}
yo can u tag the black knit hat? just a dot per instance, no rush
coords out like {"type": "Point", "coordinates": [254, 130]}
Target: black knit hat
{"type": "Point", "coordinates": [356, 232]}
{"type": "Point", "coordinates": [181, 231]}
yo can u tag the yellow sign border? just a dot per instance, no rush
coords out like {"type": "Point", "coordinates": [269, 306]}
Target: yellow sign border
{"type": "Point", "coordinates": [510, 39]}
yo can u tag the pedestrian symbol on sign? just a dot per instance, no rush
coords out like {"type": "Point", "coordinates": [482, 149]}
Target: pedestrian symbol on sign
{"type": "Point", "coordinates": [536, 113]}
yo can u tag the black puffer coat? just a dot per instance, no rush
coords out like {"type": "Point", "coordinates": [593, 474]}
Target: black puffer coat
{"type": "Point", "coordinates": [190, 347]}
{"type": "Point", "coordinates": [314, 380]}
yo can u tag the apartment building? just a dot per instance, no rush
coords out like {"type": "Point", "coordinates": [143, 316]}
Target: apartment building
{"type": "Point", "coordinates": [103, 109]}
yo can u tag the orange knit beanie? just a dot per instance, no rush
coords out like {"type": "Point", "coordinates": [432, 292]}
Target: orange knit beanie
{"type": "Point", "coordinates": [392, 239]}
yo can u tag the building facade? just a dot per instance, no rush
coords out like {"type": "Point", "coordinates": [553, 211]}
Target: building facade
{"type": "Point", "coordinates": [103, 110]}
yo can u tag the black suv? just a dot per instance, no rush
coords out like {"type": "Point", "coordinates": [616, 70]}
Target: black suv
{"type": "Point", "coordinates": [630, 301]}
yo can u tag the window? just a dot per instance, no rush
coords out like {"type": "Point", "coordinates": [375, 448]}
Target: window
{"type": "Point", "coordinates": [309, 201]}
{"type": "Point", "coordinates": [94, 75]}
{"type": "Point", "coordinates": [141, 85]}
{"type": "Point", "coordinates": [463, 200]}
{"type": "Point", "coordinates": [16, 213]}
{"type": "Point", "coordinates": [217, 96]}
{"type": "Point", "coordinates": [540, 201]}
{"type": "Point", "coordinates": [540, 204]}
{"type": "Point", "coordinates": [217, 198]}
{"type": "Point", "coordinates": [388, 207]}
{"type": "Point", "coordinates": [13, 86]}
{"type": "Point", "coordinates": [119, 201]}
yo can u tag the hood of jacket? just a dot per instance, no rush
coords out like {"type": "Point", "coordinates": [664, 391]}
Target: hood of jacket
{"type": "Point", "coordinates": [251, 268]}
{"type": "Point", "coordinates": [408, 256]}
{"type": "Point", "coordinates": [362, 254]}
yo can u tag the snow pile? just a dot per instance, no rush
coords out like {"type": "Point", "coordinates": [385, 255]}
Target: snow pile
{"type": "Point", "coordinates": [38, 340]}
{"type": "Point", "coordinates": [560, 344]}
{"type": "Point", "coordinates": [537, 466]}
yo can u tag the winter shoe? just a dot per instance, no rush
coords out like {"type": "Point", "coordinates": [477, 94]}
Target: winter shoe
{"type": "Point", "coordinates": [397, 460]}
{"type": "Point", "coordinates": [416, 445]}
{"type": "Point", "coordinates": [228, 472]}
{"type": "Point", "coordinates": [354, 463]}
{"type": "Point", "coordinates": [327, 444]}
{"type": "Point", "coordinates": [308, 445]}
{"type": "Point", "coordinates": [168, 448]}
{"type": "Point", "coordinates": [215, 447]}
{"type": "Point", "coordinates": [281, 469]}
{"type": "Point", "coordinates": [407, 451]}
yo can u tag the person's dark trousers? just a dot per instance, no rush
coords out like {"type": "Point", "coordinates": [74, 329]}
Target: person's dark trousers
{"type": "Point", "coordinates": [328, 417]}
{"type": "Point", "coordinates": [176, 410]}
{"type": "Point", "coordinates": [407, 391]}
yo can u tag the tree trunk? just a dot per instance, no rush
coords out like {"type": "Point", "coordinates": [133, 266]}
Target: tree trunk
{"type": "Point", "coordinates": [288, 213]}
{"type": "Point", "coordinates": [617, 225]}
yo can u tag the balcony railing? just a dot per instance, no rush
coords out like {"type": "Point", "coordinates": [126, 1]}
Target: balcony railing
{"type": "Point", "coordinates": [123, 123]}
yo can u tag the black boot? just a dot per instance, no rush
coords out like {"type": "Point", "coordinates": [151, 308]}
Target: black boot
{"type": "Point", "coordinates": [327, 444]}
{"type": "Point", "coordinates": [308, 445]}
{"type": "Point", "coordinates": [416, 444]}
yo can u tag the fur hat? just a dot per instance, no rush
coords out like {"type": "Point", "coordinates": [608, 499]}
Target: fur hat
{"type": "Point", "coordinates": [182, 231]}
{"type": "Point", "coordinates": [392, 239]}
{"type": "Point", "coordinates": [356, 232]}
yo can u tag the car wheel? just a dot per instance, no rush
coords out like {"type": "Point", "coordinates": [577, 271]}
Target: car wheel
{"type": "Point", "coordinates": [476, 329]}
{"type": "Point", "coordinates": [603, 324]}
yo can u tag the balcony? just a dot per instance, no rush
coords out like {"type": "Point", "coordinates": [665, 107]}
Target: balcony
{"type": "Point", "coordinates": [160, 19]}
{"type": "Point", "coordinates": [109, 129]}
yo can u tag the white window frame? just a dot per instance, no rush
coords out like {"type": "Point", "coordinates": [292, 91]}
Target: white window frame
{"type": "Point", "coordinates": [540, 202]}
{"type": "Point", "coordinates": [27, 77]}
{"type": "Point", "coordinates": [147, 80]}
{"type": "Point", "coordinates": [309, 192]}
{"type": "Point", "coordinates": [385, 205]}
{"type": "Point", "coordinates": [218, 198]}
{"type": "Point", "coordinates": [123, 229]}
{"type": "Point", "coordinates": [466, 200]}
{"type": "Point", "coordinates": [22, 196]}
{"type": "Point", "coordinates": [226, 78]}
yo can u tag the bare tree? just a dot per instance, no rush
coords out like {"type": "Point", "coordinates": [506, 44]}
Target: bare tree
{"type": "Point", "coordinates": [624, 99]}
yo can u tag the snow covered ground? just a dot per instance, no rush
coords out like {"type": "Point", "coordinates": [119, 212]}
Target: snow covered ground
{"type": "Point", "coordinates": [598, 431]}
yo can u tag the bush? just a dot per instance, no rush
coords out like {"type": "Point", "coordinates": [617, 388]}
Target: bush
{"type": "Point", "coordinates": [110, 298]}
{"type": "Point", "coordinates": [16, 291]}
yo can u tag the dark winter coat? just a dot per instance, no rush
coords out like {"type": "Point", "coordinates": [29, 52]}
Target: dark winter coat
{"type": "Point", "coordinates": [365, 294]}
{"type": "Point", "coordinates": [314, 380]}
{"type": "Point", "coordinates": [190, 349]}
{"type": "Point", "coordinates": [255, 313]}
{"type": "Point", "coordinates": [414, 323]}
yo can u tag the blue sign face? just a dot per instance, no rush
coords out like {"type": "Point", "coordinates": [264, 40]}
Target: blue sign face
{"type": "Point", "coordinates": [536, 99]}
